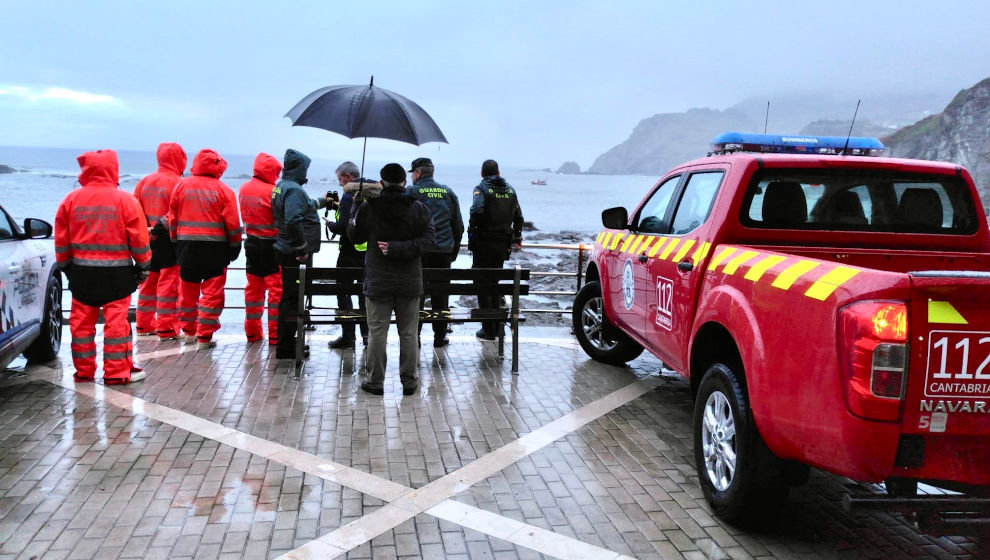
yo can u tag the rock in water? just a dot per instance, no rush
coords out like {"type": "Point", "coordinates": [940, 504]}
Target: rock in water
{"type": "Point", "coordinates": [569, 168]}
{"type": "Point", "coordinates": [7, 169]}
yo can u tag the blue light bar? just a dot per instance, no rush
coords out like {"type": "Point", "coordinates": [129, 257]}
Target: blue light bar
{"type": "Point", "coordinates": [796, 144]}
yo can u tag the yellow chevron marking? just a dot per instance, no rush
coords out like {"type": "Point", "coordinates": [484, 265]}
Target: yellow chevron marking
{"type": "Point", "coordinates": [669, 248]}
{"type": "Point", "coordinates": [721, 256]}
{"type": "Point", "coordinates": [625, 245]}
{"type": "Point", "coordinates": [656, 247]}
{"type": "Point", "coordinates": [829, 281]}
{"type": "Point", "coordinates": [646, 243]}
{"type": "Point", "coordinates": [684, 250]}
{"type": "Point", "coordinates": [740, 259]}
{"type": "Point", "coordinates": [605, 239]}
{"type": "Point", "coordinates": [792, 273]}
{"type": "Point", "coordinates": [598, 239]}
{"type": "Point", "coordinates": [701, 252]}
{"type": "Point", "coordinates": [633, 248]}
{"type": "Point", "coordinates": [615, 241]}
{"type": "Point", "coordinates": [759, 269]}
{"type": "Point", "coordinates": [944, 312]}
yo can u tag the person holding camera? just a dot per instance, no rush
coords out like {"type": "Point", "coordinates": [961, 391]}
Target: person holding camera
{"type": "Point", "coordinates": [263, 273]}
{"type": "Point", "coordinates": [101, 245]}
{"type": "Point", "coordinates": [203, 220]}
{"type": "Point", "coordinates": [350, 255]}
{"type": "Point", "coordinates": [297, 238]}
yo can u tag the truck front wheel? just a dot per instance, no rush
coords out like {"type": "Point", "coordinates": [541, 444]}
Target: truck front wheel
{"type": "Point", "coordinates": [599, 338]}
{"type": "Point", "coordinates": [733, 462]}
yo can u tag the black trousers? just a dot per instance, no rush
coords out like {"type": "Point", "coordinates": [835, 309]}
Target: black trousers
{"type": "Point", "coordinates": [288, 308]}
{"type": "Point", "coordinates": [488, 255]}
{"type": "Point", "coordinates": [345, 302]}
{"type": "Point", "coordinates": [439, 299]}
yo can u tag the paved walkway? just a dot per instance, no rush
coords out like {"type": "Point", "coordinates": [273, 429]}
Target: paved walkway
{"type": "Point", "coordinates": [225, 454]}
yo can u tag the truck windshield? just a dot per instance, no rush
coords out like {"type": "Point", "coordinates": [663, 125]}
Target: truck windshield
{"type": "Point", "coordinates": [859, 200]}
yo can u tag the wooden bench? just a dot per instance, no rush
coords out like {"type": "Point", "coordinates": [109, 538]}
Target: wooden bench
{"type": "Point", "coordinates": [497, 282]}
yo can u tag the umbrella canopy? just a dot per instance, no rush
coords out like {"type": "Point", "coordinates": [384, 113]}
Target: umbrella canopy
{"type": "Point", "coordinates": [366, 112]}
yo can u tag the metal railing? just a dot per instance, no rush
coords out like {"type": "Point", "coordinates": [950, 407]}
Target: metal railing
{"type": "Point", "coordinates": [577, 275]}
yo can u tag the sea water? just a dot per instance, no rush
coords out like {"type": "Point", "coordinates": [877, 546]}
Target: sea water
{"type": "Point", "coordinates": [565, 203]}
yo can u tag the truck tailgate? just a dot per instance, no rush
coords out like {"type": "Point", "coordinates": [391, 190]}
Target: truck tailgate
{"type": "Point", "coordinates": [948, 389]}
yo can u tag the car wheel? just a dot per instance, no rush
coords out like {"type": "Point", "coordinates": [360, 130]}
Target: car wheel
{"type": "Point", "coordinates": [45, 347]}
{"type": "Point", "coordinates": [736, 470]}
{"type": "Point", "coordinates": [599, 338]}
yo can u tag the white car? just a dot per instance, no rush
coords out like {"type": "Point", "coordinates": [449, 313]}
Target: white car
{"type": "Point", "coordinates": [30, 292]}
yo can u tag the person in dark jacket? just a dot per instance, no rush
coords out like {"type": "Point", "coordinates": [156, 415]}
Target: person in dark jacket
{"type": "Point", "coordinates": [398, 229]}
{"type": "Point", "coordinates": [446, 211]}
{"type": "Point", "coordinates": [298, 238]}
{"type": "Point", "coordinates": [495, 228]}
{"type": "Point", "coordinates": [350, 255]}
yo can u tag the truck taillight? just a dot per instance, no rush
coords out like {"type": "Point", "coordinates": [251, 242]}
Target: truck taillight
{"type": "Point", "coordinates": [873, 354]}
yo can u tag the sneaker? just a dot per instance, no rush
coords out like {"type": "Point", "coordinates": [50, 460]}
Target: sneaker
{"type": "Point", "coordinates": [168, 336]}
{"type": "Point", "coordinates": [205, 344]}
{"type": "Point", "coordinates": [80, 379]}
{"type": "Point", "coordinates": [368, 388]}
{"type": "Point", "coordinates": [440, 342]}
{"type": "Point", "coordinates": [484, 335]}
{"type": "Point", "coordinates": [188, 338]}
{"type": "Point", "coordinates": [138, 375]}
{"type": "Point", "coordinates": [146, 333]}
{"type": "Point", "coordinates": [410, 390]}
{"type": "Point", "coordinates": [341, 343]}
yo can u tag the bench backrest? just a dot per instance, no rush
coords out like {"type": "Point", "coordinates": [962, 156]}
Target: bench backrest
{"type": "Point", "coordinates": [454, 281]}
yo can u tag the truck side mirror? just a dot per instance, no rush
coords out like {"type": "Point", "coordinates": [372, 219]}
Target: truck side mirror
{"type": "Point", "coordinates": [615, 218]}
{"type": "Point", "coordinates": [37, 229]}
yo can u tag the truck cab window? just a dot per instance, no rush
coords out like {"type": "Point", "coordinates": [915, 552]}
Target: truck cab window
{"type": "Point", "coordinates": [696, 202]}
{"type": "Point", "coordinates": [653, 215]}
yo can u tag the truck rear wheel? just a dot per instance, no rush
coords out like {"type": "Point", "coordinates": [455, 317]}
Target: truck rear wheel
{"type": "Point", "coordinates": [599, 338]}
{"type": "Point", "coordinates": [734, 464]}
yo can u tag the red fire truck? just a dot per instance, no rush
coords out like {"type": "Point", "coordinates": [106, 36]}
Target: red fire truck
{"type": "Point", "coordinates": [831, 309]}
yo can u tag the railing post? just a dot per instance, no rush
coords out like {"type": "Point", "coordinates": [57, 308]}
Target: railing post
{"type": "Point", "coordinates": [580, 270]}
{"type": "Point", "coordinates": [517, 278]}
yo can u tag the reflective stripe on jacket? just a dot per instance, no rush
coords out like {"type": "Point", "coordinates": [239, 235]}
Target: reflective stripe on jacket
{"type": "Point", "coordinates": [255, 197]}
{"type": "Point", "coordinates": [100, 225]}
{"type": "Point", "coordinates": [202, 207]}
{"type": "Point", "coordinates": [154, 191]}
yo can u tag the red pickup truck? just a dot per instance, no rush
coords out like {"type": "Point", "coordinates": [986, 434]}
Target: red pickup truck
{"type": "Point", "coordinates": [830, 311]}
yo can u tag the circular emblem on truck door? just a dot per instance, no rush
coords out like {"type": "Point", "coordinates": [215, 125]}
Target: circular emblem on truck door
{"type": "Point", "coordinates": [628, 291]}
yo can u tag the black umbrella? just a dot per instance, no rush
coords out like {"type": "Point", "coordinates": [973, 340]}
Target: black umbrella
{"type": "Point", "coordinates": [366, 112]}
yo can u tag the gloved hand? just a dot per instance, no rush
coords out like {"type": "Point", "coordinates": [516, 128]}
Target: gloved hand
{"type": "Point", "coordinates": [141, 274]}
{"type": "Point", "coordinates": [233, 252]}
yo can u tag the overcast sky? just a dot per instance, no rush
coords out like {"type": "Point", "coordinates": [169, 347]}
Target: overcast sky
{"type": "Point", "coordinates": [530, 83]}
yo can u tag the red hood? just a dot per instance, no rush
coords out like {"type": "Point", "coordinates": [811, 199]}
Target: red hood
{"type": "Point", "coordinates": [208, 162]}
{"type": "Point", "coordinates": [267, 168]}
{"type": "Point", "coordinates": [171, 157]}
{"type": "Point", "coordinates": [99, 169]}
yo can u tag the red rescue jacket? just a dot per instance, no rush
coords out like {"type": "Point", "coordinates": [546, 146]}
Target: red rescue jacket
{"type": "Point", "coordinates": [100, 225]}
{"type": "Point", "coordinates": [202, 207]}
{"type": "Point", "coordinates": [154, 191]}
{"type": "Point", "coordinates": [256, 197]}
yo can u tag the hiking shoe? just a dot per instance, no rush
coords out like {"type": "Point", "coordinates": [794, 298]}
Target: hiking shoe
{"type": "Point", "coordinates": [410, 390]}
{"type": "Point", "coordinates": [188, 338]}
{"type": "Point", "coordinates": [137, 374]}
{"type": "Point", "coordinates": [440, 342]}
{"type": "Point", "coordinates": [168, 336]}
{"type": "Point", "coordinates": [341, 343]}
{"type": "Point", "coordinates": [206, 344]}
{"type": "Point", "coordinates": [369, 388]}
{"type": "Point", "coordinates": [146, 333]}
{"type": "Point", "coordinates": [80, 379]}
{"type": "Point", "coordinates": [484, 335]}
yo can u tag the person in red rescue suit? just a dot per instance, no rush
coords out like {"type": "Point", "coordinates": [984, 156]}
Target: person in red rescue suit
{"type": "Point", "coordinates": [263, 273]}
{"type": "Point", "coordinates": [203, 221]}
{"type": "Point", "coordinates": [101, 245]}
{"type": "Point", "coordinates": [158, 295]}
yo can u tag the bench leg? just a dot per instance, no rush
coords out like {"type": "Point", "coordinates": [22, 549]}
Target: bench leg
{"type": "Point", "coordinates": [501, 345]}
{"type": "Point", "coordinates": [301, 321]}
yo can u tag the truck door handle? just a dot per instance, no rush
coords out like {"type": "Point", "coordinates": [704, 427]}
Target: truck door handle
{"type": "Point", "coordinates": [685, 266]}
{"type": "Point", "coordinates": [642, 258]}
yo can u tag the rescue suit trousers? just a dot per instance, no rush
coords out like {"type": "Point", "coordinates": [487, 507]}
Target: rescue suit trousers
{"type": "Point", "coordinates": [254, 305]}
{"type": "Point", "coordinates": [117, 345]}
{"type": "Point", "coordinates": [200, 305]}
{"type": "Point", "coordinates": [406, 319]}
{"type": "Point", "coordinates": [157, 298]}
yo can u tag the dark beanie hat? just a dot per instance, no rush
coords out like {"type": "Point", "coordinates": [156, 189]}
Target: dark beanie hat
{"type": "Point", "coordinates": [393, 173]}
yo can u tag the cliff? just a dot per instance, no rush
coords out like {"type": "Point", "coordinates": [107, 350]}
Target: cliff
{"type": "Point", "coordinates": [665, 140]}
{"type": "Point", "coordinates": [960, 134]}
{"type": "Point", "coordinates": [570, 168]}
